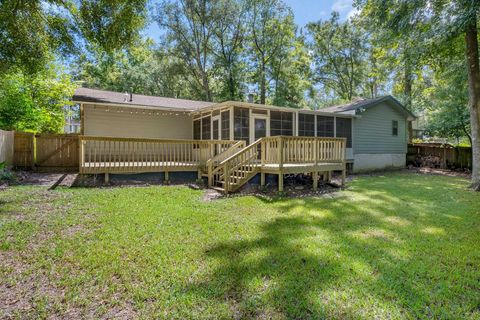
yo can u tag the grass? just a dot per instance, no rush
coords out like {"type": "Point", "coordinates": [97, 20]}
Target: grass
{"type": "Point", "coordinates": [394, 246]}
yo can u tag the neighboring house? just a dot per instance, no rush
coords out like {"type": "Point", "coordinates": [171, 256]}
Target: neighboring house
{"type": "Point", "coordinates": [72, 120]}
{"type": "Point", "coordinates": [375, 129]}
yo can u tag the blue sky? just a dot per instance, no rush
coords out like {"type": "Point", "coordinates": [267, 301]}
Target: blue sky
{"type": "Point", "coordinates": [304, 10]}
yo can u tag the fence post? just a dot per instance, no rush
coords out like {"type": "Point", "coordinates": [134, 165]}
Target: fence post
{"type": "Point", "coordinates": [280, 152]}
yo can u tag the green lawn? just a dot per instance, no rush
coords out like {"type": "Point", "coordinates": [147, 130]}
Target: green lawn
{"type": "Point", "coordinates": [394, 246]}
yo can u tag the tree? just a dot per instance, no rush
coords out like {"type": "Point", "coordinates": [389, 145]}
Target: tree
{"type": "Point", "coordinates": [190, 27]}
{"type": "Point", "coordinates": [144, 68]}
{"type": "Point", "coordinates": [291, 74]}
{"type": "Point", "coordinates": [32, 32]}
{"type": "Point", "coordinates": [271, 31]}
{"type": "Point", "coordinates": [229, 55]}
{"type": "Point", "coordinates": [447, 98]}
{"type": "Point", "coordinates": [339, 53]}
{"type": "Point", "coordinates": [35, 102]}
{"type": "Point", "coordinates": [437, 23]}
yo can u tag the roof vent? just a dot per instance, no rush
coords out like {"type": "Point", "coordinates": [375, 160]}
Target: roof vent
{"type": "Point", "coordinates": [250, 98]}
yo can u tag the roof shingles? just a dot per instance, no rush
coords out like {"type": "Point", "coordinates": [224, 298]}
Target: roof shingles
{"type": "Point", "coordinates": [110, 97]}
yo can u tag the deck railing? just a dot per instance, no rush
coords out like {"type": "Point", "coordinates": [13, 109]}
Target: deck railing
{"type": "Point", "coordinates": [110, 154]}
{"type": "Point", "coordinates": [284, 149]}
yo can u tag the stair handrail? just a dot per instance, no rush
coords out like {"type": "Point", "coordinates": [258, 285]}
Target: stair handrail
{"type": "Point", "coordinates": [226, 165]}
{"type": "Point", "coordinates": [218, 158]}
{"type": "Point", "coordinates": [241, 151]}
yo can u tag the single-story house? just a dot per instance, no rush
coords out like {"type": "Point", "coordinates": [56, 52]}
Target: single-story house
{"type": "Point", "coordinates": [375, 129]}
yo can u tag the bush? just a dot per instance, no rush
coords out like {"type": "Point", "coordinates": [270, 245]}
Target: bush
{"type": "Point", "coordinates": [6, 175]}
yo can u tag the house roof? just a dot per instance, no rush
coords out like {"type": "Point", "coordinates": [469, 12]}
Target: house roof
{"type": "Point", "coordinates": [119, 98]}
{"type": "Point", "coordinates": [362, 103]}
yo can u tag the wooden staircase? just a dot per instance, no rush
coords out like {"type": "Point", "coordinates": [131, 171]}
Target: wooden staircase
{"type": "Point", "coordinates": [235, 170]}
{"type": "Point", "coordinates": [231, 169]}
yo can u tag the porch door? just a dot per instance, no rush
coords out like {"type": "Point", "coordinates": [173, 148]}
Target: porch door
{"type": "Point", "coordinates": [260, 128]}
{"type": "Point", "coordinates": [216, 128]}
{"type": "Point", "coordinates": [216, 133]}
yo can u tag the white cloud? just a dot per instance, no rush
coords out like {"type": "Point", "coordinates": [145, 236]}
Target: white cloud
{"type": "Point", "coordinates": [353, 12]}
{"type": "Point", "coordinates": [342, 6]}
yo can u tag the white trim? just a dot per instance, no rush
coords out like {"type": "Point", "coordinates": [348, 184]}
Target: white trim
{"type": "Point", "coordinates": [135, 106]}
{"type": "Point", "coordinates": [232, 132]}
{"type": "Point", "coordinates": [252, 119]}
{"type": "Point", "coordinates": [217, 117]}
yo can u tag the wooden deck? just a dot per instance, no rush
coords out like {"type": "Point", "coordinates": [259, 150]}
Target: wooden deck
{"type": "Point", "coordinates": [227, 164]}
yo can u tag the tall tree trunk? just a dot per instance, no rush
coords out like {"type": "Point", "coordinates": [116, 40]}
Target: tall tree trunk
{"type": "Point", "coordinates": [231, 85]}
{"type": "Point", "coordinates": [206, 87]}
{"type": "Point", "coordinates": [473, 67]}
{"type": "Point", "coordinates": [263, 84]}
{"type": "Point", "coordinates": [407, 92]}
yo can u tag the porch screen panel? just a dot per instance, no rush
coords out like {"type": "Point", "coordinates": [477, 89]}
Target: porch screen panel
{"type": "Point", "coordinates": [306, 125]}
{"type": "Point", "coordinates": [225, 118]}
{"type": "Point", "coordinates": [344, 130]}
{"type": "Point", "coordinates": [206, 128]}
{"type": "Point", "coordinates": [197, 133]}
{"type": "Point", "coordinates": [241, 124]}
{"type": "Point", "coordinates": [281, 123]}
{"type": "Point", "coordinates": [325, 126]}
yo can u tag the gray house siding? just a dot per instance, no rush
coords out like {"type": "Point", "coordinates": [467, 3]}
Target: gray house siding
{"type": "Point", "coordinates": [372, 132]}
{"type": "Point", "coordinates": [374, 145]}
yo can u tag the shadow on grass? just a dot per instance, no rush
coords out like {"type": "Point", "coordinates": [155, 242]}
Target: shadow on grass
{"type": "Point", "coordinates": [305, 255]}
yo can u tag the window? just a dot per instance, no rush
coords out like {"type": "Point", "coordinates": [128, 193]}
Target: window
{"type": "Point", "coordinates": [394, 128]}
{"type": "Point", "coordinates": [344, 130]}
{"type": "Point", "coordinates": [306, 125]}
{"type": "Point", "coordinates": [197, 130]}
{"type": "Point", "coordinates": [241, 118]}
{"type": "Point", "coordinates": [215, 129]}
{"type": "Point", "coordinates": [206, 126]}
{"type": "Point", "coordinates": [281, 123]}
{"type": "Point", "coordinates": [225, 118]}
{"type": "Point", "coordinates": [325, 126]}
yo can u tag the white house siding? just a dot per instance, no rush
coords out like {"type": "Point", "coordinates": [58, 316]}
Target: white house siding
{"type": "Point", "coordinates": [99, 122]}
{"type": "Point", "coordinates": [374, 146]}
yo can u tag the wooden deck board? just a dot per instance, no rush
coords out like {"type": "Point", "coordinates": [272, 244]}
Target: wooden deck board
{"type": "Point", "coordinates": [300, 167]}
{"type": "Point", "coordinates": [137, 167]}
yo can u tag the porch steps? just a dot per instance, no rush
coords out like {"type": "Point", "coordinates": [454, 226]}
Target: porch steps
{"type": "Point", "coordinates": [276, 155]}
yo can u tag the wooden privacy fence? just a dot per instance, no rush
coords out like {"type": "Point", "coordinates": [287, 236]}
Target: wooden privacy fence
{"type": "Point", "coordinates": [45, 151]}
{"type": "Point", "coordinates": [133, 155]}
{"type": "Point", "coordinates": [6, 147]}
{"type": "Point", "coordinates": [439, 155]}
{"type": "Point", "coordinates": [23, 150]}
{"type": "Point", "coordinates": [56, 151]}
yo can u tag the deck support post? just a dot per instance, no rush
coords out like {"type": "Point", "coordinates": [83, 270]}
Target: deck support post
{"type": "Point", "coordinates": [107, 178]}
{"type": "Point", "coordinates": [262, 179]}
{"type": "Point", "coordinates": [166, 180]}
{"type": "Point", "coordinates": [344, 173]}
{"type": "Point", "coordinates": [280, 182]}
{"type": "Point", "coordinates": [315, 180]}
